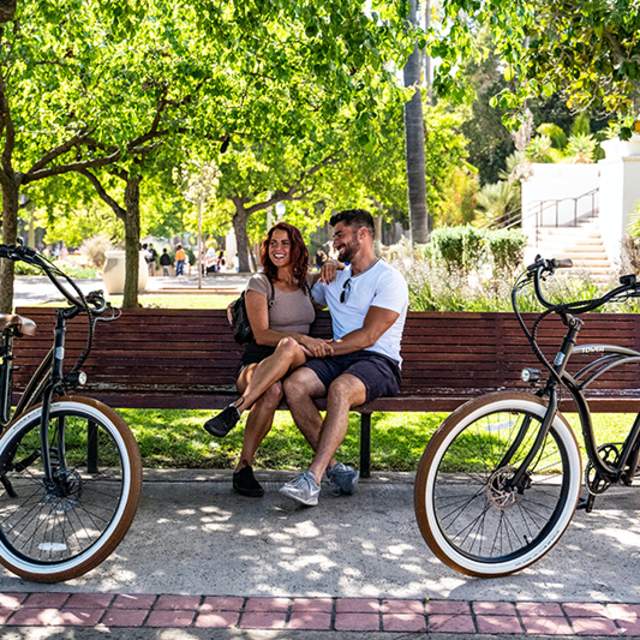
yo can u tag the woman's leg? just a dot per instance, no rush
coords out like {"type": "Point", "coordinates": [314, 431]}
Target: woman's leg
{"type": "Point", "coordinates": [259, 424]}
{"type": "Point", "coordinates": [288, 355]}
{"type": "Point", "coordinates": [253, 382]}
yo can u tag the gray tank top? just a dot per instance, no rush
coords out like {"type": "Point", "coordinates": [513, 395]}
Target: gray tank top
{"type": "Point", "coordinates": [291, 311]}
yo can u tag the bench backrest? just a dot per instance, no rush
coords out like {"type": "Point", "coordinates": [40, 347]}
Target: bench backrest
{"type": "Point", "coordinates": [445, 354]}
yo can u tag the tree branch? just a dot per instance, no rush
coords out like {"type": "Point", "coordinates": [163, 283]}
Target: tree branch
{"type": "Point", "coordinates": [58, 151]}
{"type": "Point", "coordinates": [102, 192]}
{"type": "Point", "coordinates": [289, 194]}
{"type": "Point", "coordinates": [6, 129]}
{"type": "Point", "coordinates": [72, 166]}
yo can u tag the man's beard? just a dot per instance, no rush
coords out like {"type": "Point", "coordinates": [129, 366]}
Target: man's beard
{"type": "Point", "coordinates": [346, 255]}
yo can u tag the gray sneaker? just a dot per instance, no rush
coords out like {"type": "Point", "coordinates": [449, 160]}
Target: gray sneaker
{"type": "Point", "coordinates": [343, 479]}
{"type": "Point", "coordinates": [303, 489]}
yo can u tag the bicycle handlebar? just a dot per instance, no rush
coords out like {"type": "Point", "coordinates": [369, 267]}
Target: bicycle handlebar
{"type": "Point", "coordinates": [629, 287]}
{"type": "Point", "coordinates": [94, 302]}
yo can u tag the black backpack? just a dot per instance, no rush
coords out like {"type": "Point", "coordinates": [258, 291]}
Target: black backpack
{"type": "Point", "coordinates": [239, 320]}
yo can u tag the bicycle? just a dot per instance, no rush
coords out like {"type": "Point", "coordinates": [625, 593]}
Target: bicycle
{"type": "Point", "coordinates": [500, 480]}
{"type": "Point", "coordinates": [70, 468]}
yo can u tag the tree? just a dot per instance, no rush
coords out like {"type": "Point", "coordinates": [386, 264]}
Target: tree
{"type": "Point", "coordinates": [112, 81]}
{"type": "Point", "coordinates": [587, 52]}
{"type": "Point", "coordinates": [312, 89]}
{"type": "Point", "coordinates": [414, 133]}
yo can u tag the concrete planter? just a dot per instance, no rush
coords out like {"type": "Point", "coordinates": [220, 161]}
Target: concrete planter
{"type": "Point", "coordinates": [114, 272]}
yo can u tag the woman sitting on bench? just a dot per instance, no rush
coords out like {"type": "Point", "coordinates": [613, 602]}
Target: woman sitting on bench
{"type": "Point", "coordinates": [280, 312]}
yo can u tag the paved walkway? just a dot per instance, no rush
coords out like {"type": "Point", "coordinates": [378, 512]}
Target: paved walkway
{"type": "Point", "coordinates": [452, 617]}
{"type": "Point", "coordinates": [201, 559]}
{"type": "Point", "coordinates": [30, 290]}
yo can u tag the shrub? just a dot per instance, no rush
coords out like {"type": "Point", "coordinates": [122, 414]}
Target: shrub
{"type": "Point", "coordinates": [463, 250]}
{"type": "Point", "coordinates": [433, 288]}
{"type": "Point", "coordinates": [581, 148]}
{"type": "Point", "coordinates": [506, 248]}
{"type": "Point", "coordinates": [459, 249]}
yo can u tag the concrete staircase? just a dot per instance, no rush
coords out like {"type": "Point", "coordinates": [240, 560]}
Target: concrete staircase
{"type": "Point", "coordinates": [582, 243]}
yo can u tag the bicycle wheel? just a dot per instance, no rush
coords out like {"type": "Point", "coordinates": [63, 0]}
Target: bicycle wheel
{"type": "Point", "coordinates": [61, 531]}
{"type": "Point", "coordinates": [467, 513]}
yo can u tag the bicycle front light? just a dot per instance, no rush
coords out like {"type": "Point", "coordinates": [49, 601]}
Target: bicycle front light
{"type": "Point", "coordinates": [76, 378]}
{"type": "Point", "coordinates": [530, 375]}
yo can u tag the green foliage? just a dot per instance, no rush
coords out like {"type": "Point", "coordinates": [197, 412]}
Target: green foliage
{"type": "Point", "coordinates": [586, 51]}
{"type": "Point", "coordinates": [498, 203]}
{"type": "Point", "coordinates": [581, 125]}
{"type": "Point", "coordinates": [555, 133]}
{"type": "Point", "coordinates": [540, 149]}
{"type": "Point", "coordinates": [435, 287]}
{"type": "Point", "coordinates": [506, 248]}
{"type": "Point", "coordinates": [462, 250]}
{"type": "Point", "coordinates": [458, 199]}
{"type": "Point", "coordinates": [489, 140]}
{"type": "Point", "coordinates": [445, 150]}
{"type": "Point", "coordinates": [581, 147]}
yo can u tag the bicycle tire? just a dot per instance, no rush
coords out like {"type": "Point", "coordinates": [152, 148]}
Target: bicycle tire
{"type": "Point", "coordinates": [441, 472]}
{"type": "Point", "coordinates": [102, 500]}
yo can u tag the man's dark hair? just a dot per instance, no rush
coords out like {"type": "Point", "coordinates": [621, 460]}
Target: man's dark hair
{"type": "Point", "coordinates": [354, 218]}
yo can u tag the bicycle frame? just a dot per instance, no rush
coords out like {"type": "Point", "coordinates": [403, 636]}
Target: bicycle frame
{"type": "Point", "coordinates": [49, 378]}
{"type": "Point", "coordinates": [610, 357]}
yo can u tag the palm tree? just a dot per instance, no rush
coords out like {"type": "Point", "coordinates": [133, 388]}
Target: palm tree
{"type": "Point", "coordinates": [414, 141]}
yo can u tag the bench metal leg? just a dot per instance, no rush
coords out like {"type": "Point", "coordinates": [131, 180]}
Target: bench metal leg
{"type": "Point", "coordinates": [365, 445]}
{"type": "Point", "coordinates": [92, 448]}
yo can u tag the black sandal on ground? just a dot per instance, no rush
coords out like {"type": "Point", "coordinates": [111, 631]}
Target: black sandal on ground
{"type": "Point", "coordinates": [245, 483]}
{"type": "Point", "coordinates": [222, 423]}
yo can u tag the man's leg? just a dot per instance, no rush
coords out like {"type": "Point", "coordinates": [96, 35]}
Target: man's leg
{"type": "Point", "coordinates": [300, 388]}
{"type": "Point", "coordinates": [325, 437]}
{"type": "Point", "coordinates": [345, 391]}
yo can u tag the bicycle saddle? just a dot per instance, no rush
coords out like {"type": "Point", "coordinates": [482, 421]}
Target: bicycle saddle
{"type": "Point", "coordinates": [22, 326]}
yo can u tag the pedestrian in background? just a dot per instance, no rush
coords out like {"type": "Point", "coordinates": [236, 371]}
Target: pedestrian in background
{"type": "Point", "coordinates": [181, 259]}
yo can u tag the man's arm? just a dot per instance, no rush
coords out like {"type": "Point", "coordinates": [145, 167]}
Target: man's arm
{"type": "Point", "coordinates": [376, 322]}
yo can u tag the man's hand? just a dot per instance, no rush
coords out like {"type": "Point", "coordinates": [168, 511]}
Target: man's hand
{"type": "Point", "coordinates": [317, 348]}
{"type": "Point", "coordinates": [329, 269]}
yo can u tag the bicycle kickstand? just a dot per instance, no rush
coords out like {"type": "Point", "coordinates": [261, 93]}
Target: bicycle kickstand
{"type": "Point", "coordinates": [586, 503]}
{"type": "Point", "coordinates": [8, 487]}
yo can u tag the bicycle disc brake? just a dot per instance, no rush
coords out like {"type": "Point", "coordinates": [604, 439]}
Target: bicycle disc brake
{"type": "Point", "coordinates": [497, 490]}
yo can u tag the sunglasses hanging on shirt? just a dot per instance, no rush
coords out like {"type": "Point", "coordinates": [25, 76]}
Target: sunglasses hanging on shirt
{"type": "Point", "coordinates": [346, 290]}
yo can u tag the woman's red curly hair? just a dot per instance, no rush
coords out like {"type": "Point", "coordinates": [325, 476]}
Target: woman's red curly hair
{"type": "Point", "coordinates": [298, 252]}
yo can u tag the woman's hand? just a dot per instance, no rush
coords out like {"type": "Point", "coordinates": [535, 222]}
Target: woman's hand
{"type": "Point", "coordinates": [329, 269]}
{"type": "Point", "coordinates": [317, 348]}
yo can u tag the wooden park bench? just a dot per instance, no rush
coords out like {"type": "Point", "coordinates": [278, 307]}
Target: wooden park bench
{"type": "Point", "coordinates": [187, 359]}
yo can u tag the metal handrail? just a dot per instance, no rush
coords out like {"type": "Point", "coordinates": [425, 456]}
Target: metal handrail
{"type": "Point", "coordinates": [539, 207]}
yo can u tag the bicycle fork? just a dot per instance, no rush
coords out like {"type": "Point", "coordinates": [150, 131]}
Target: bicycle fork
{"type": "Point", "coordinates": [53, 480]}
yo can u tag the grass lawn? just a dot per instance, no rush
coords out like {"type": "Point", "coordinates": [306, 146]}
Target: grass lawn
{"type": "Point", "coordinates": [177, 439]}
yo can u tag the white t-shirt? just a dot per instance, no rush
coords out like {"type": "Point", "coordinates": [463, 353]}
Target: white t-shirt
{"type": "Point", "coordinates": [379, 286]}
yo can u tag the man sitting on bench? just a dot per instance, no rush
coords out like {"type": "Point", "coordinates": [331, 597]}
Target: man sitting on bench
{"type": "Point", "coordinates": [368, 303]}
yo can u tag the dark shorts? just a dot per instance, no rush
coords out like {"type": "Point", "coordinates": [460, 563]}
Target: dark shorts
{"type": "Point", "coordinates": [254, 353]}
{"type": "Point", "coordinates": [379, 374]}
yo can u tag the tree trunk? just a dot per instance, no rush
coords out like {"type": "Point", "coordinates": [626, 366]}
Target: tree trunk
{"type": "Point", "coordinates": [7, 10]}
{"type": "Point", "coordinates": [377, 242]}
{"type": "Point", "coordinates": [242, 241]}
{"type": "Point", "coordinates": [131, 242]}
{"type": "Point", "coordinates": [414, 143]}
{"type": "Point", "coordinates": [10, 191]}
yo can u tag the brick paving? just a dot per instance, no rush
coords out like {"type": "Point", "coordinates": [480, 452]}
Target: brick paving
{"type": "Point", "coordinates": [399, 615]}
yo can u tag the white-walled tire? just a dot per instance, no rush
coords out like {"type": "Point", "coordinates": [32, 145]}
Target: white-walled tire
{"type": "Point", "coordinates": [468, 516]}
{"type": "Point", "coordinates": [51, 536]}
